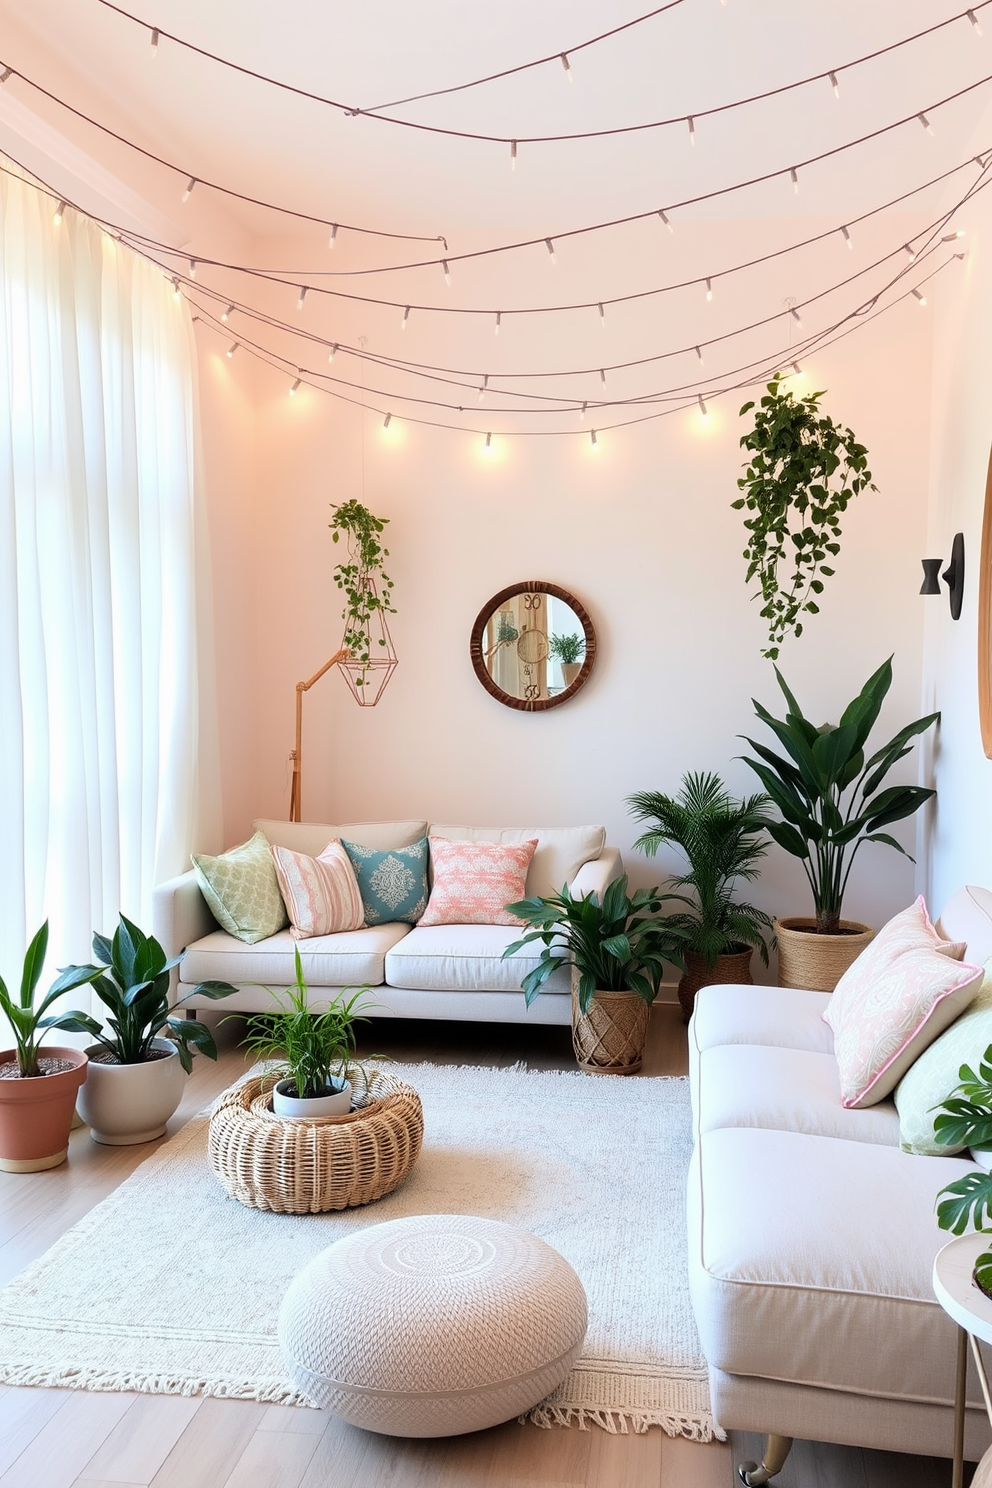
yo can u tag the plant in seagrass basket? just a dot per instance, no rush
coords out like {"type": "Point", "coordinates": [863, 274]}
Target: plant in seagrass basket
{"type": "Point", "coordinates": [618, 949]}
{"type": "Point", "coordinates": [965, 1120]}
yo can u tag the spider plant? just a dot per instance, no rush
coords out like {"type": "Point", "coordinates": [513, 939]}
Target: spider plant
{"type": "Point", "coordinates": [722, 839]}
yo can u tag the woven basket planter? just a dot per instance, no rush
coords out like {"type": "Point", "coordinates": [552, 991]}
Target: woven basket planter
{"type": "Point", "coordinates": [734, 968]}
{"type": "Point", "coordinates": [308, 1166]}
{"type": "Point", "coordinates": [609, 1039]}
{"type": "Point", "coordinates": [817, 962]}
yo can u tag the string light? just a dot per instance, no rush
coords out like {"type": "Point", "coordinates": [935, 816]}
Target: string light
{"type": "Point", "coordinates": [551, 250]}
{"type": "Point", "coordinates": [794, 178]}
{"type": "Point", "coordinates": [568, 66]}
{"type": "Point", "coordinates": [192, 268]}
{"type": "Point", "coordinates": [330, 354]}
{"type": "Point", "coordinates": [664, 218]}
{"type": "Point", "coordinates": [709, 289]}
{"type": "Point", "coordinates": [796, 316]}
{"type": "Point", "coordinates": [974, 21]}
{"type": "Point", "coordinates": [295, 388]}
{"type": "Point", "coordinates": [228, 313]}
{"type": "Point", "coordinates": [582, 411]}
{"type": "Point", "coordinates": [797, 369]}
{"type": "Point", "coordinates": [233, 348]}
{"type": "Point", "coordinates": [334, 233]}
{"type": "Point", "coordinates": [699, 356]}
{"type": "Point", "coordinates": [489, 441]}
{"type": "Point", "coordinates": [513, 155]}
{"type": "Point", "coordinates": [446, 271]}
{"type": "Point", "coordinates": [593, 438]}
{"type": "Point", "coordinates": [921, 297]}
{"type": "Point", "coordinates": [926, 123]}
{"type": "Point", "coordinates": [302, 298]}
{"type": "Point", "coordinates": [387, 421]}
{"type": "Point", "coordinates": [692, 129]}
{"type": "Point", "coordinates": [485, 384]}
{"type": "Point", "coordinates": [953, 236]}
{"type": "Point", "coordinates": [189, 188]}
{"type": "Point", "coordinates": [154, 41]}
{"type": "Point", "coordinates": [5, 74]}
{"type": "Point", "coordinates": [702, 405]}
{"type": "Point", "coordinates": [602, 315]}
{"type": "Point", "coordinates": [499, 319]}
{"type": "Point", "coordinates": [908, 248]}
{"type": "Point", "coordinates": [846, 234]}
{"type": "Point", "coordinates": [406, 317]}
{"type": "Point", "coordinates": [602, 375]}
{"type": "Point", "coordinates": [175, 289]}
{"type": "Point", "coordinates": [59, 213]}
{"type": "Point", "coordinates": [834, 83]}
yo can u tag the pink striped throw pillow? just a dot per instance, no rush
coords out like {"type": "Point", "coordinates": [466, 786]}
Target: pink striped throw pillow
{"type": "Point", "coordinates": [473, 881]}
{"type": "Point", "coordinates": [321, 894]}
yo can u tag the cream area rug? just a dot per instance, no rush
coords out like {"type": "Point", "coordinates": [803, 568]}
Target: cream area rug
{"type": "Point", "coordinates": [171, 1287]}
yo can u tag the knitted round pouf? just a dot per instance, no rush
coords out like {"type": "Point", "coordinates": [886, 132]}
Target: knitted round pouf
{"type": "Point", "coordinates": [433, 1326]}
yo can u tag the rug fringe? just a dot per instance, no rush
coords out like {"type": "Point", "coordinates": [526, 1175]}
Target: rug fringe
{"type": "Point", "coordinates": [622, 1423]}
{"type": "Point", "coordinates": [150, 1384]}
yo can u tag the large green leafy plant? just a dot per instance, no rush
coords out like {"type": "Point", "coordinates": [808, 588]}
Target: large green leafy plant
{"type": "Point", "coordinates": [723, 839]}
{"type": "Point", "coordinates": [965, 1119]}
{"type": "Point", "coordinates": [131, 979]}
{"type": "Point", "coordinates": [801, 473]}
{"type": "Point", "coordinates": [361, 577]}
{"type": "Point", "coordinates": [29, 1023]}
{"type": "Point", "coordinates": [620, 945]}
{"type": "Point", "coordinates": [315, 1047]}
{"type": "Point", "coordinates": [827, 788]}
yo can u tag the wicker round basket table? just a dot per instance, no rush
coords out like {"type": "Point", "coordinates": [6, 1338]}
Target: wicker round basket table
{"type": "Point", "coordinates": [308, 1166]}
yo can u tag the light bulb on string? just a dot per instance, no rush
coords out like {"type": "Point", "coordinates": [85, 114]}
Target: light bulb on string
{"type": "Point", "coordinates": [387, 421]}
{"type": "Point", "coordinates": [602, 315]}
{"type": "Point", "coordinates": [513, 155]}
{"type": "Point", "coordinates": [908, 248]}
{"type": "Point", "coordinates": [699, 355]}
{"type": "Point", "coordinates": [485, 385]}
{"type": "Point", "coordinates": [568, 66]}
{"type": "Point", "coordinates": [794, 178]}
{"type": "Point", "coordinates": [974, 21]}
{"type": "Point", "coordinates": [846, 235]}
{"type": "Point", "coordinates": [334, 233]}
{"type": "Point", "coordinates": [953, 236]}
{"type": "Point", "coordinates": [189, 188]}
{"type": "Point", "coordinates": [551, 250]}
{"type": "Point", "coordinates": [796, 316]}
{"type": "Point", "coordinates": [926, 123]}
{"type": "Point", "coordinates": [499, 319]}
{"type": "Point", "coordinates": [233, 348]}
{"type": "Point", "coordinates": [302, 298]}
{"type": "Point", "coordinates": [582, 411]}
{"type": "Point", "coordinates": [664, 217]}
{"type": "Point", "coordinates": [692, 129]}
{"type": "Point", "coordinates": [602, 375]}
{"type": "Point", "coordinates": [594, 439]}
{"type": "Point", "coordinates": [59, 213]}
{"type": "Point", "coordinates": [446, 271]}
{"type": "Point", "coordinates": [175, 289]}
{"type": "Point", "coordinates": [154, 41]}
{"type": "Point", "coordinates": [921, 297]}
{"type": "Point", "coordinates": [834, 83]}
{"type": "Point", "coordinates": [488, 446]}
{"type": "Point", "coordinates": [704, 411]}
{"type": "Point", "coordinates": [797, 369]}
{"type": "Point", "coordinates": [709, 289]}
{"type": "Point", "coordinates": [226, 314]}
{"type": "Point", "coordinates": [406, 317]}
{"type": "Point", "coordinates": [192, 268]}
{"type": "Point", "coordinates": [334, 348]}
{"type": "Point", "coordinates": [295, 388]}
{"type": "Point", "coordinates": [5, 74]}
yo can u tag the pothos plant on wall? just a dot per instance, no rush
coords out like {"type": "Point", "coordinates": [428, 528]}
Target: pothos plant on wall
{"type": "Point", "coordinates": [802, 471]}
{"type": "Point", "coordinates": [367, 589]}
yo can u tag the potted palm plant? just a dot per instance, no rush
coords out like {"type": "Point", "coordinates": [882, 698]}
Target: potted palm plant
{"type": "Point", "coordinates": [617, 950]}
{"type": "Point", "coordinates": [318, 1049]}
{"type": "Point", "coordinates": [38, 1088]}
{"type": "Point", "coordinates": [827, 789]}
{"type": "Point", "coordinates": [136, 1076]}
{"type": "Point", "coordinates": [722, 839]}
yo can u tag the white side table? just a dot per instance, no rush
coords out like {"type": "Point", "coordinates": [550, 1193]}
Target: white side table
{"type": "Point", "coordinates": [972, 1311]}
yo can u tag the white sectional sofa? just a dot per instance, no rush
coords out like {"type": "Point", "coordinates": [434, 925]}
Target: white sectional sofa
{"type": "Point", "coordinates": [812, 1236]}
{"type": "Point", "coordinates": [439, 971]}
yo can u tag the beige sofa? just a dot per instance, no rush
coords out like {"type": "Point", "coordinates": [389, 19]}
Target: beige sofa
{"type": "Point", "coordinates": [438, 971]}
{"type": "Point", "coordinates": [812, 1236]}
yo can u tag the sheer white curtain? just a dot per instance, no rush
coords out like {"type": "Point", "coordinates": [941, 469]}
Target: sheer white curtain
{"type": "Point", "coordinates": [99, 603]}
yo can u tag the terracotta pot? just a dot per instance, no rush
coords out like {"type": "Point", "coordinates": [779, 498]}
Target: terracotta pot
{"type": "Point", "coordinates": [609, 1039]}
{"type": "Point", "coordinates": [734, 968]}
{"type": "Point", "coordinates": [124, 1104]}
{"type": "Point", "coordinates": [36, 1114]}
{"type": "Point", "coordinates": [817, 962]}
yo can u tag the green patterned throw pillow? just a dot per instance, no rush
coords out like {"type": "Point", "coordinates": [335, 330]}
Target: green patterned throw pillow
{"type": "Point", "coordinates": [242, 890]}
{"type": "Point", "coordinates": [937, 1071]}
{"type": "Point", "coordinates": [392, 883]}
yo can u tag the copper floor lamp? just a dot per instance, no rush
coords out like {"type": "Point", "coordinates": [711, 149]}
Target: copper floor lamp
{"type": "Point", "coordinates": [295, 798]}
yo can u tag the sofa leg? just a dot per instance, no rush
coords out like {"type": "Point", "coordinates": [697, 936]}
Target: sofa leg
{"type": "Point", "coordinates": [777, 1449]}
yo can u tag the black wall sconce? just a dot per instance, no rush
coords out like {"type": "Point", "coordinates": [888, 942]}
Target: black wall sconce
{"type": "Point", "coordinates": [953, 575]}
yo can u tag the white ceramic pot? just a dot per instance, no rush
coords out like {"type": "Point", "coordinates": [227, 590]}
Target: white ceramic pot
{"type": "Point", "coordinates": [124, 1104]}
{"type": "Point", "coordinates": [336, 1104]}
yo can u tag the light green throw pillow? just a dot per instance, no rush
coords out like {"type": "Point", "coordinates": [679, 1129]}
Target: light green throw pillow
{"type": "Point", "coordinates": [242, 890]}
{"type": "Point", "coordinates": [936, 1073]}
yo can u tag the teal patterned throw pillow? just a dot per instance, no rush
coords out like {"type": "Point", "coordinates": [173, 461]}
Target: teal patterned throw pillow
{"type": "Point", "coordinates": [392, 883]}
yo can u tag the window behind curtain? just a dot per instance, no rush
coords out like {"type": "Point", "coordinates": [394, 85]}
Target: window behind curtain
{"type": "Point", "coordinates": [98, 593]}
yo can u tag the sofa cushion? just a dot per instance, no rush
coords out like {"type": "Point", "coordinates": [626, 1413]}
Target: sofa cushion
{"type": "Point", "coordinates": [392, 881]}
{"type": "Point", "coordinates": [784, 1017]}
{"type": "Point", "coordinates": [968, 917]}
{"type": "Point", "coordinates": [241, 889]}
{"type": "Point", "coordinates": [559, 855]}
{"type": "Point", "coordinates": [810, 1260]}
{"type": "Point", "coordinates": [785, 1090]}
{"type": "Point", "coordinates": [313, 837]}
{"type": "Point", "coordinates": [349, 959]}
{"type": "Point", "coordinates": [475, 881]}
{"type": "Point", "coordinates": [321, 894]}
{"type": "Point", "coordinates": [465, 958]}
{"type": "Point", "coordinates": [899, 995]}
{"type": "Point", "coordinates": [935, 1074]}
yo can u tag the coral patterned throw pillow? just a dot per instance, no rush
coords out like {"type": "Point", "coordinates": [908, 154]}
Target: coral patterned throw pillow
{"type": "Point", "coordinates": [904, 989]}
{"type": "Point", "coordinates": [474, 881]}
{"type": "Point", "coordinates": [321, 894]}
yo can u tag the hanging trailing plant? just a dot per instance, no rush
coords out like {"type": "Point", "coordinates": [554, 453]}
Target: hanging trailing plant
{"type": "Point", "coordinates": [366, 586]}
{"type": "Point", "coordinates": [802, 471]}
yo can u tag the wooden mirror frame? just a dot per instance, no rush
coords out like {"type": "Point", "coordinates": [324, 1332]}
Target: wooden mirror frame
{"type": "Point", "coordinates": [985, 620]}
{"type": "Point", "coordinates": [531, 705]}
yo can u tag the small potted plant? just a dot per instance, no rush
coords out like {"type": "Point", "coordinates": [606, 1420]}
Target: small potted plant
{"type": "Point", "coordinates": [367, 589]}
{"type": "Point", "coordinates": [136, 1077]}
{"type": "Point", "coordinates": [827, 790]}
{"type": "Point", "coordinates": [722, 839]}
{"type": "Point", "coordinates": [964, 1119]}
{"type": "Point", "coordinates": [318, 1050]}
{"type": "Point", "coordinates": [38, 1088]}
{"type": "Point", "coordinates": [569, 650]}
{"type": "Point", "coordinates": [618, 950]}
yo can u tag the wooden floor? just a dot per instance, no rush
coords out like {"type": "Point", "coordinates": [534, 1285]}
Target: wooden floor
{"type": "Point", "coordinates": [75, 1439]}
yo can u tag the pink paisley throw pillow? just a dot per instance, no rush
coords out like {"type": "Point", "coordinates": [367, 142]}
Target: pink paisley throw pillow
{"type": "Point", "coordinates": [321, 894]}
{"type": "Point", "coordinates": [904, 989]}
{"type": "Point", "coordinates": [474, 881]}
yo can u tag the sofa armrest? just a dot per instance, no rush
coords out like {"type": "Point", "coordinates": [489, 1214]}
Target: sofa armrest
{"type": "Point", "coordinates": [179, 916]}
{"type": "Point", "coordinates": [596, 876]}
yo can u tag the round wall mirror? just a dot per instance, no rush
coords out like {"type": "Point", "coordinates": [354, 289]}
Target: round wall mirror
{"type": "Point", "coordinates": [533, 646]}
